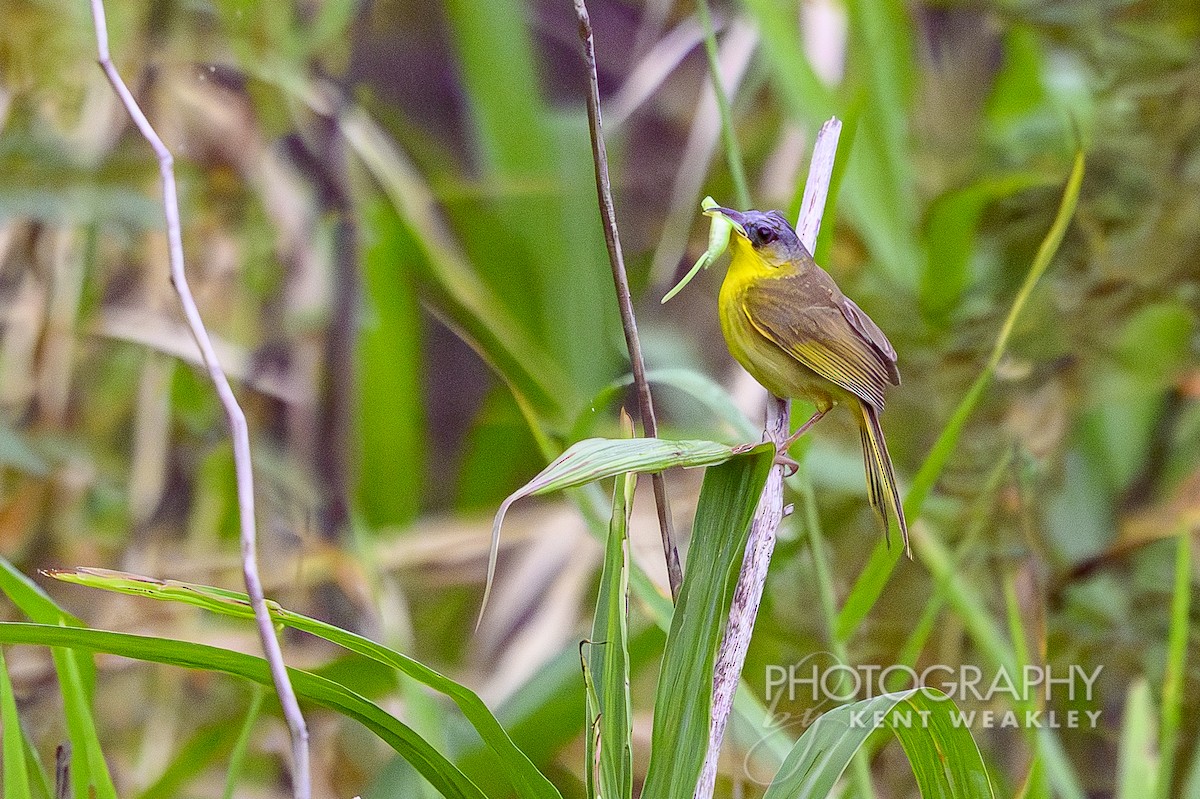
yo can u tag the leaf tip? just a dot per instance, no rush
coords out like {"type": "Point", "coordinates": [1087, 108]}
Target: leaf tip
{"type": "Point", "coordinates": [493, 553]}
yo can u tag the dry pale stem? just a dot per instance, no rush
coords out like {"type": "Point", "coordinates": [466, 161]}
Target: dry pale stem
{"type": "Point", "coordinates": [301, 780]}
{"type": "Point", "coordinates": [764, 526]}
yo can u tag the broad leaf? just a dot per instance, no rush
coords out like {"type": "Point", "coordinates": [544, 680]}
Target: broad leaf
{"type": "Point", "coordinates": [683, 704]}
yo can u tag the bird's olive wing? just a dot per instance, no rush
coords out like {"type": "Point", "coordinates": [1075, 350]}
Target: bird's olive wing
{"type": "Point", "coordinates": [806, 320]}
{"type": "Point", "coordinates": [867, 328]}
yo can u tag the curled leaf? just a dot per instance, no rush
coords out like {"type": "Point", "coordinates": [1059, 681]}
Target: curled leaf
{"type": "Point", "coordinates": [597, 458]}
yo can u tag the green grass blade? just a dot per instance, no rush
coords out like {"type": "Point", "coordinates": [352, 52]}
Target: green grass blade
{"type": "Point", "coordinates": [987, 635]}
{"type": "Point", "coordinates": [1019, 87]}
{"type": "Point", "coordinates": [861, 774]}
{"type": "Point", "coordinates": [609, 652]}
{"type": "Point", "coordinates": [31, 599]}
{"type": "Point", "coordinates": [1137, 753]}
{"type": "Point", "coordinates": [591, 730]}
{"type": "Point", "coordinates": [391, 423]}
{"type": "Point", "coordinates": [15, 775]}
{"type": "Point", "coordinates": [751, 715]}
{"type": "Point", "coordinates": [43, 787]}
{"type": "Point", "coordinates": [1036, 784]}
{"type": "Point", "coordinates": [597, 458]}
{"type": "Point", "coordinates": [544, 715]}
{"type": "Point", "coordinates": [544, 254]}
{"type": "Point", "coordinates": [511, 141]}
{"type": "Point", "coordinates": [423, 710]}
{"type": "Point", "coordinates": [683, 701]}
{"type": "Point", "coordinates": [440, 772]}
{"type": "Point", "coordinates": [496, 54]}
{"type": "Point", "coordinates": [1045, 255]}
{"type": "Point", "coordinates": [802, 91]}
{"type": "Point", "coordinates": [943, 755]}
{"type": "Point", "coordinates": [733, 152]}
{"type": "Point", "coordinates": [89, 771]}
{"type": "Point", "coordinates": [980, 519]}
{"type": "Point", "coordinates": [328, 26]}
{"type": "Point", "coordinates": [880, 165]}
{"type": "Point", "coordinates": [1058, 765]}
{"type": "Point", "coordinates": [1016, 627]}
{"type": "Point", "coordinates": [497, 453]}
{"type": "Point", "coordinates": [466, 303]}
{"type": "Point", "coordinates": [199, 752]}
{"type": "Point", "coordinates": [579, 288]}
{"type": "Point", "coordinates": [524, 777]}
{"type": "Point", "coordinates": [1176, 671]}
{"type": "Point", "coordinates": [869, 586]}
{"type": "Point", "coordinates": [77, 682]}
{"type": "Point", "coordinates": [237, 758]}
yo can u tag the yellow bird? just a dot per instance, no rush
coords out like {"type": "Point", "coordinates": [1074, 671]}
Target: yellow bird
{"type": "Point", "coordinates": [790, 326]}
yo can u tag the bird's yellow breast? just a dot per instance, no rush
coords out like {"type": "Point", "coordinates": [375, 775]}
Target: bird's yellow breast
{"type": "Point", "coordinates": [766, 361]}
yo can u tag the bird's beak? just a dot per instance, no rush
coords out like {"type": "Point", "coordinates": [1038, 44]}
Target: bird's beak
{"type": "Point", "coordinates": [736, 218]}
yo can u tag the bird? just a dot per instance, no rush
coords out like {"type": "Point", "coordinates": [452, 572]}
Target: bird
{"type": "Point", "coordinates": [789, 325]}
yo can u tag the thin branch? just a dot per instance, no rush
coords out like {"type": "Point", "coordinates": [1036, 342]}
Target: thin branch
{"type": "Point", "coordinates": [765, 525]}
{"type": "Point", "coordinates": [301, 782]}
{"type": "Point", "coordinates": [624, 301]}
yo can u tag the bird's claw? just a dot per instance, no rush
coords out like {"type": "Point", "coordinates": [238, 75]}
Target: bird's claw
{"type": "Point", "coordinates": [790, 465]}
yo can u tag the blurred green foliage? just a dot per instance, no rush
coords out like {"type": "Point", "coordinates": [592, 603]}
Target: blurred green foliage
{"type": "Point", "coordinates": [486, 339]}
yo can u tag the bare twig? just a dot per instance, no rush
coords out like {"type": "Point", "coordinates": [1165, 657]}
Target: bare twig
{"type": "Point", "coordinates": [763, 528]}
{"type": "Point", "coordinates": [621, 281]}
{"type": "Point", "coordinates": [301, 782]}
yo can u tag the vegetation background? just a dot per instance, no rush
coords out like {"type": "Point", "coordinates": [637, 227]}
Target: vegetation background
{"type": "Point", "coordinates": [391, 229]}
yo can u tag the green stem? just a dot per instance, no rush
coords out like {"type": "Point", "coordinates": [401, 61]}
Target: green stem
{"type": "Point", "coordinates": [1172, 696]}
{"type": "Point", "coordinates": [238, 757]}
{"type": "Point", "coordinates": [733, 153]}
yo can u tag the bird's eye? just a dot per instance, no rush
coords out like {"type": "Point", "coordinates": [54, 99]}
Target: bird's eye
{"type": "Point", "coordinates": [761, 234]}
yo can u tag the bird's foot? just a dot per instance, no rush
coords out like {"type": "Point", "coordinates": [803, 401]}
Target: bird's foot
{"type": "Point", "coordinates": [791, 465]}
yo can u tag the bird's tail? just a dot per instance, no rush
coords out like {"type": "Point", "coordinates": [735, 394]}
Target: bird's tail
{"type": "Point", "coordinates": [882, 490]}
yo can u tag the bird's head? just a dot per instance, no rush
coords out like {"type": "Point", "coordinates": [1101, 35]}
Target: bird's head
{"type": "Point", "coordinates": [766, 234]}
